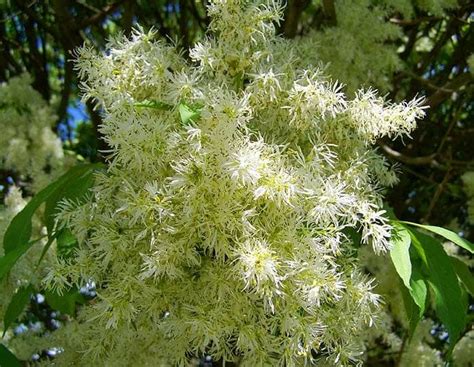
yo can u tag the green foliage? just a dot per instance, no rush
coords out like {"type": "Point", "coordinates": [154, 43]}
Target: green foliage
{"type": "Point", "coordinates": [8, 260]}
{"type": "Point", "coordinates": [16, 306]}
{"type": "Point", "coordinates": [73, 185]}
{"type": "Point", "coordinates": [65, 302]}
{"type": "Point", "coordinates": [447, 234]}
{"type": "Point", "coordinates": [450, 304]}
{"type": "Point", "coordinates": [431, 265]}
{"type": "Point", "coordinates": [464, 274]}
{"type": "Point", "coordinates": [153, 104]}
{"type": "Point", "coordinates": [187, 113]}
{"type": "Point", "coordinates": [400, 253]}
{"type": "Point", "coordinates": [7, 358]}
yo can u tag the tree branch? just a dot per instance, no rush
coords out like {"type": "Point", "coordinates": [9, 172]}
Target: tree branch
{"type": "Point", "coordinates": [292, 15]}
{"type": "Point", "coordinates": [98, 17]}
{"type": "Point", "coordinates": [413, 161]}
{"type": "Point", "coordinates": [448, 89]}
{"type": "Point", "coordinates": [330, 12]}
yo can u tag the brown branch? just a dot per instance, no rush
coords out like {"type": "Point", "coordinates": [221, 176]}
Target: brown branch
{"type": "Point", "coordinates": [427, 83]}
{"type": "Point", "coordinates": [448, 89]}
{"type": "Point", "coordinates": [413, 161]}
{"type": "Point", "coordinates": [411, 22]}
{"type": "Point", "coordinates": [330, 12]}
{"type": "Point", "coordinates": [98, 17]}
{"type": "Point", "coordinates": [292, 15]}
{"type": "Point", "coordinates": [436, 196]}
{"type": "Point", "coordinates": [66, 90]}
{"type": "Point", "coordinates": [40, 72]}
{"type": "Point", "coordinates": [127, 17]}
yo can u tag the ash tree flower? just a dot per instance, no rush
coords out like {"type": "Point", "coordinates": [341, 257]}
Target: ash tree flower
{"type": "Point", "coordinates": [220, 227]}
{"type": "Point", "coordinates": [28, 145]}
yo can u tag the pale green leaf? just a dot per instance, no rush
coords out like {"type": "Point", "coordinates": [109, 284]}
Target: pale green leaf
{"type": "Point", "coordinates": [400, 253]}
{"type": "Point", "coordinates": [447, 234]}
{"type": "Point", "coordinates": [187, 114]}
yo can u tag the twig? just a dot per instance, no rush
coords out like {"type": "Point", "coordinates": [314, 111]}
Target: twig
{"type": "Point", "coordinates": [454, 85]}
{"type": "Point", "coordinates": [96, 18]}
{"type": "Point", "coordinates": [414, 161]}
{"type": "Point", "coordinates": [330, 12]}
{"type": "Point", "coordinates": [436, 196]}
{"type": "Point", "coordinates": [408, 22]}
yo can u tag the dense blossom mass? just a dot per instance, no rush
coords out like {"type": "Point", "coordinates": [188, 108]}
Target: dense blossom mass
{"type": "Point", "coordinates": [239, 186]}
{"type": "Point", "coordinates": [28, 146]}
{"type": "Point", "coordinates": [32, 155]}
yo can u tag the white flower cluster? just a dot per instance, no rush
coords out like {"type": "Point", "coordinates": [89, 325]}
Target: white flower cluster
{"type": "Point", "coordinates": [31, 152]}
{"type": "Point", "coordinates": [28, 145]}
{"type": "Point", "coordinates": [223, 225]}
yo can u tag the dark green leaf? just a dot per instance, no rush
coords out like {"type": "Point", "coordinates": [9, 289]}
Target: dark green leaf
{"type": "Point", "coordinates": [72, 185]}
{"type": "Point", "coordinates": [19, 230]}
{"type": "Point", "coordinates": [411, 309]}
{"type": "Point", "coordinates": [65, 303]}
{"type": "Point", "coordinates": [7, 358]}
{"type": "Point", "coordinates": [450, 305]}
{"type": "Point", "coordinates": [16, 306]}
{"type": "Point", "coordinates": [449, 235]}
{"type": "Point", "coordinates": [8, 261]}
{"type": "Point", "coordinates": [414, 299]}
{"type": "Point", "coordinates": [400, 253]}
{"type": "Point", "coordinates": [464, 274]}
{"type": "Point", "coordinates": [66, 243]}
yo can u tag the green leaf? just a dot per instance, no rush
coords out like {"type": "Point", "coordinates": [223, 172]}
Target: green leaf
{"type": "Point", "coordinates": [66, 243]}
{"type": "Point", "coordinates": [66, 302]}
{"type": "Point", "coordinates": [449, 235]}
{"type": "Point", "coordinates": [414, 299]}
{"type": "Point", "coordinates": [464, 274]}
{"type": "Point", "coordinates": [411, 309]}
{"type": "Point", "coordinates": [187, 114]}
{"type": "Point", "coordinates": [400, 253]}
{"type": "Point", "coordinates": [16, 306]}
{"type": "Point", "coordinates": [450, 305]}
{"type": "Point", "coordinates": [72, 185]}
{"type": "Point", "coordinates": [418, 291]}
{"type": "Point", "coordinates": [157, 105]}
{"type": "Point", "coordinates": [19, 230]}
{"type": "Point", "coordinates": [7, 358]}
{"type": "Point", "coordinates": [8, 261]}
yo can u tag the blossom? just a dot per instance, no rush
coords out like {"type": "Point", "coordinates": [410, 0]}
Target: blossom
{"type": "Point", "coordinates": [225, 234]}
